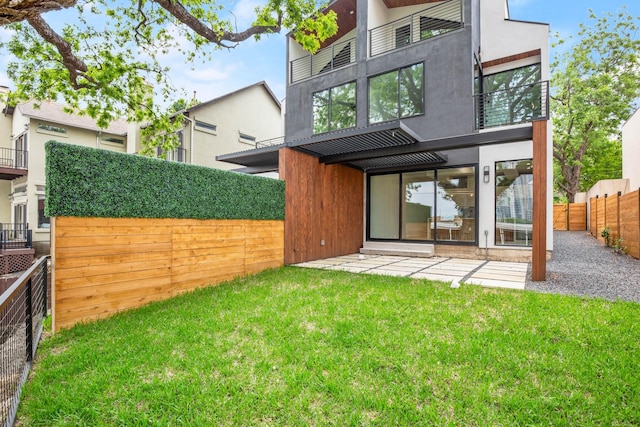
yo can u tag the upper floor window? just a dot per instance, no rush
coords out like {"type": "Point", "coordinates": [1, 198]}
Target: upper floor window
{"type": "Point", "coordinates": [51, 129]}
{"type": "Point", "coordinates": [112, 140]}
{"type": "Point", "coordinates": [206, 127]}
{"type": "Point", "coordinates": [334, 108]}
{"type": "Point", "coordinates": [397, 94]}
{"type": "Point", "coordinates": [510, 97]}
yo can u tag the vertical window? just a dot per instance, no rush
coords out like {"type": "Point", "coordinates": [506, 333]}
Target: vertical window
{"type": "Point", "coordinates": [43, 220]}
{"type": "Point", "coordinates": [418, 208]}
{"type": "Point", "coordinates": [511, 97]}
{"type": "Point", "coordinates": [514, 202]}
{"type": "Point", "coordinates": [383, 204]}
{"type": "Point", "coordinates": [397, 94]}
{"type": "Point", "coordinates": [334, 108]}
{"type": "Point", "coordinates": [456, 203]}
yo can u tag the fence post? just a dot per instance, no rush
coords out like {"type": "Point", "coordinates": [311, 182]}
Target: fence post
{"type": "Point", "coordinates": [567, 217]}
{"type": "Point", "coordinates": [618, 216]}
{"type": "Point", "coordinates": [28, 321]}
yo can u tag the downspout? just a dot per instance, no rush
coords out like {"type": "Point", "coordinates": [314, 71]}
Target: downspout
{"type": "Point", "coordinates": [191, 132]}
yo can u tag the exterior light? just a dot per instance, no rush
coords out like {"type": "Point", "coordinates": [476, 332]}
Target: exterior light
{"type": "Point", "coordinates": [486, 174]}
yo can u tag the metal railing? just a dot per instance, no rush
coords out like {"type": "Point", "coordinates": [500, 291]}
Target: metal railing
{"type": "Point", "coordinates": [431, 22]}
{"type": "Point", "coordinates": [520, 104]}
{"type": "Point", "coordinates": [177, 155]}
{"type": "Point", "coordinates": [23, 308]}
{"type": "Point", "coordinates": [15, 236]}
{"type": "Point", "coordinates": [330, 58]}
{"type": "Point", "coordinates": [14, 159]}
{"type": "Point", "coordinates": [270, 142]}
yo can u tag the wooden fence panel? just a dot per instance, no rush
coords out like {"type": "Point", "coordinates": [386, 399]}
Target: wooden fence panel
{"type": "Point", "coordinates": [106, 265]}
{"type": "Point", "coordinates": [577, 216]}
{"type": "Point", "coordinates": [560, 213]}
{"type": "Point", "coordinates": [611, 218]}
{"type": "Point", "coordinates": [630, 222]}
{"type": "Point", "coordinates": [593, 215]}
{"type": "Point", "coordinates": [600, 212]}
{"type": "Point", "coordinates": [572, 216]}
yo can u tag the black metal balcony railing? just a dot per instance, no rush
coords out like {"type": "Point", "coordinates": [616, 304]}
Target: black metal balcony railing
{"type": "Point", "coordinates": [14, 159]}
{"type": "Point", "coordinates": [330, 58]}
{"type": "Point", "coordinates": [520, 104]}
{"type": "Point", "coordinates": [23, 308]}
{"type": "Point", "coordinates": [431, 22]}
{"type": "Point", "coordinates": [15, 236]}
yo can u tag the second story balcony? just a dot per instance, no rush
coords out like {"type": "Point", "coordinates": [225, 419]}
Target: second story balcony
{"type": "Point", "coordinates": [337, 55]}
{"type": "Point", "coordinates": [512, 106]}
{"type": "Point", "coordinates": [13, 163]}
{"type": "Point", "coordinates": [440, 18]}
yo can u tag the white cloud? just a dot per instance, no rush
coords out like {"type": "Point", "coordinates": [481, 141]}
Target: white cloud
{"type": "Point", "coordinates": [245, 12]}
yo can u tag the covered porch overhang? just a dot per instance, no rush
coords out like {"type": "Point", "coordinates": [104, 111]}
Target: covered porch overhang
{"type": "Point", "coordinates": [386, 146]}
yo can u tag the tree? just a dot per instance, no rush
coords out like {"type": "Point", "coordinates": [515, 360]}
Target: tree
{"type": "Point", "coordinates": [105, 63]}
{"type": "Point", "coordinates": [595, 87]}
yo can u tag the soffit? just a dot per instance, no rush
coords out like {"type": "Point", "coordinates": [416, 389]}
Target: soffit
{"type": "Point", "coordinates": [346, 11]}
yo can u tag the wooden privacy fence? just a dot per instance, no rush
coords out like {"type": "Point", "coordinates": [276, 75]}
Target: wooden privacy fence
{"type": "Point", "coordinates": [571, 216]}
{"type": "Point", "coordinates": [622, 215]}
{"type": "Point", "coordinates": [106, 265]}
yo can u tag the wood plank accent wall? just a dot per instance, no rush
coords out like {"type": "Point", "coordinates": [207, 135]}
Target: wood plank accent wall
{"type": "Point", "coordinates": [106, 265]}
{"type": "Point", "coordinates": [324, 203]}
{"type": "Point", "coordinates": [571, 216]}
{"type": "Point", "coordinates": [622, 215]}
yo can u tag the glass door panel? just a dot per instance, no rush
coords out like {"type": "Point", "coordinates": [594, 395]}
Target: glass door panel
{"type": "Point", "coordinates": [418, 205]}
{"type": "Point", "coordinates": [384, 214]}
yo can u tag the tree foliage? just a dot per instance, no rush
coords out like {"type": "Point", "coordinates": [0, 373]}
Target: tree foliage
{"type": "Point", "coordinates": [105, 63]}
{"type": "Point", "coordinates": [595, 88]}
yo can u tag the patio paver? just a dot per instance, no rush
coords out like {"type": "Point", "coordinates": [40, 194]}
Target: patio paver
{"type": "Point", "coordinates": [497, 274]}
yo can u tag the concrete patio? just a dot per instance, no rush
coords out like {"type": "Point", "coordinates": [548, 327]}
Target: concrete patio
{"type": "Point", "coordinates": [496, 274]}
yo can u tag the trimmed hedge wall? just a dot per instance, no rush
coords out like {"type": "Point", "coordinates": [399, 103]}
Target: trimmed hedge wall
{"type": "Point", "coordinates": [89, 182]}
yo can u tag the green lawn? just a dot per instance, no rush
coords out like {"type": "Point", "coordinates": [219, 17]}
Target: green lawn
{"type": "Point", "coordinates": [307, 347]}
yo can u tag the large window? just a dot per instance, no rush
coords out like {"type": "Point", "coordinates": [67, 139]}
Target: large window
{"type": "Point", "coordinates": [334, 108]}
{"type": "Point", "coordinates": [511, 97]}
{"type": "Point", "coordinates": [428, 205]}
{"type": "Point", "coordinates": [514, 202]}
{"type": "Point", "coordinates": [397, 94]}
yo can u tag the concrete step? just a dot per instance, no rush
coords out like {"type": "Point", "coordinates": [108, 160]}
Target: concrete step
{"type": "Point", "coordinates": [422, 250]}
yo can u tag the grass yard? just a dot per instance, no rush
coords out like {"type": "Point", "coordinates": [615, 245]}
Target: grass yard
{"type": "Point", "coordinates": [303, 347]}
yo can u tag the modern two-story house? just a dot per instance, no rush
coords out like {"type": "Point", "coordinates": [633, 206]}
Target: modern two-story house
{"type": "Point", "coordinates": [420, 127]}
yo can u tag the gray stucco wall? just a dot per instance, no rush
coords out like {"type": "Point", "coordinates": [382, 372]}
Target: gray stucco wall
{"type": "Point", "coordinates": [449, 75]}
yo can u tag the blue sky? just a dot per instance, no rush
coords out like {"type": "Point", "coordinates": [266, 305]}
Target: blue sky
{"type": "Point", "coordinates": [253, 61]}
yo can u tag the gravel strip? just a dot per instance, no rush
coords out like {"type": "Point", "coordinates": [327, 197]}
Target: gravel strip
{"type": "Point", "coordinates": [583, 266]}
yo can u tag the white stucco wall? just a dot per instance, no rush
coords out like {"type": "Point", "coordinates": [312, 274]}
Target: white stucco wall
{"type": "Point", "coordinates": [251, 111]}
{"type": "Point", "coordinates": [489, 155]}
{"type": "Point", "coordinates": [631, 151]}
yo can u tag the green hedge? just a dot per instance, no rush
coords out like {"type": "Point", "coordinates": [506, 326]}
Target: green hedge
{"type": "Point", "coordinates": [88, 182]}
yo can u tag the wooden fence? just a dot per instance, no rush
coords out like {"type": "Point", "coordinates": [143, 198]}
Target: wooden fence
{"type": "Point", "coordinates": [622, 215]}
{"type": "Point", "coordinates": [571, 216]}
{"type": "Point", "coordinates": [106, 265]}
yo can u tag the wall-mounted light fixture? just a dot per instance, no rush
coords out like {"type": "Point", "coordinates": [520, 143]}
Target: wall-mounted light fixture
{"type": "Point", "coordinates": [485, 176]}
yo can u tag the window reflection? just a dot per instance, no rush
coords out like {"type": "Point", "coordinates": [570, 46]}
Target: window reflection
{"type": "Point", "coordinates": [514, 203]}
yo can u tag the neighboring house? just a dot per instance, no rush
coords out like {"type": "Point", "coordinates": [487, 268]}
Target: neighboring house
{"type": "Point", "coordinates": [420, 128]}
{"type": "Point", "coordinates": [631, 151]}
{"type": "Point", "coordinates": [25, 130]}
{"type": "Point", "coordinates": [246, 118]}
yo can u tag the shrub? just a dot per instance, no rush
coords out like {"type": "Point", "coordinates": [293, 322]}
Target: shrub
{"type": "Point", "coordinates": [88, 182]}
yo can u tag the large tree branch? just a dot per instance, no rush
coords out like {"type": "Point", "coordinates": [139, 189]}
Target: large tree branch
{"type": "Point", "coordinates": [76, 66]}
{"type": "Point", "coordinates": [21, 10]}
{"type": "Point", "coordinates": [176, 9]}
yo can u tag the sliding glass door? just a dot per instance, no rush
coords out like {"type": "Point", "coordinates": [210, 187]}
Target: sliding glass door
{"type": "Point", "coordinates": [435, 205]}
